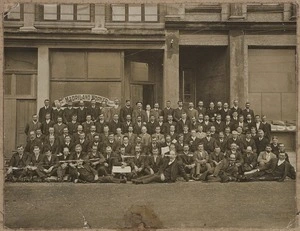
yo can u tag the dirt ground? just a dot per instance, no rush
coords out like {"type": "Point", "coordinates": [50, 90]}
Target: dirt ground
{"type": "Point", "coordinates": [182, 205]}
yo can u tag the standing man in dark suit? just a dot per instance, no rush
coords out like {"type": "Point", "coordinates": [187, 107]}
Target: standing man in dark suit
{"type": "Point", "coordinates": [33, 125]}
{"type": "Point", "coordinates": [44, 110]}
{"type": "Point", "coordinates": [211, 111]}
{"type": "Point", "coordinates": [138, 112]}
{"type": "Point", "coordinates": [178, 111]}
{"type": "Point", "coordinates": [248, 111]}
{"type": "Point", "coordinates": [81, 112]}
{"type": "Point", "coordinates": [219, 124]}
{"type": "Point", "coordinates": [167, 111]}
{"type": "Point", "coordinates": [93, 110]}
{"type": "Point", "coordinates": [57, 112]}
{"type": "Point", "coordinates": [183, 121]}
{"type": "Point", "coordinates": [47, 124]}
{"type": "Point", "coordinates": [226, 111]}
{"type": "Point", "coordinates": [258, 123]}
{"type": "Point", "coordinates": [73, 125]}
{"type": "Point", "coordinates": [236, 108]}
{"type": "Point", "coordinates": [126, 110]}
{"type": "Point", "coordinates": [266, 128]}
{"type": "Point", "coordinates": [201, 109]}
{"type": "Point", "coordinates": [249, 122]}
{"type": "Point", "coordinates": [156, 111]}
{"type": "Point", "coordinates": [261, 141]}
{"type": "Point", "coordinates": [69, 111]}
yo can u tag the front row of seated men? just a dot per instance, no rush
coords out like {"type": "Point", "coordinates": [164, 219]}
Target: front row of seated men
{"type": "Point", "coordinates": [198, 165]}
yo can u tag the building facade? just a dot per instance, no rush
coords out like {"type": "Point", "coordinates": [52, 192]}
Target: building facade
{"type": "Point", "coordinates": [150, 53]}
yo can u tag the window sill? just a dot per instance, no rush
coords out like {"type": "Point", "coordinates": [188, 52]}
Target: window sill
{"type": "Point", "coordinates": [59, 24]}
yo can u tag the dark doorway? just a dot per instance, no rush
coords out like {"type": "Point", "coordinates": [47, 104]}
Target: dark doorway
{"type": "Point", "coordinates": [204, 74]}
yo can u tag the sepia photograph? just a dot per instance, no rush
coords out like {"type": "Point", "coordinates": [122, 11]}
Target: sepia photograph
{"type": "Point", "coordinates": [148, 115]}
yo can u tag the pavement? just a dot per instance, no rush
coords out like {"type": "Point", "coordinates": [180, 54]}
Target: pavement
{"type": "Point", "coordinates": [181, 204]}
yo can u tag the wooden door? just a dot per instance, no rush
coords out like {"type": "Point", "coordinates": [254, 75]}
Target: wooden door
{"type": "Point", "coordinates": [25, 110]}
{"type": "Point", "coordinates": [148, 94]}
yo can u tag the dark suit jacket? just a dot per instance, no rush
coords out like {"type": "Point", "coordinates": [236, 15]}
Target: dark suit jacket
{"type": "Point", "coordinates": [176, 169]}
{"type": "Point", "coordinates": [124, 111]}
{"type": "Point", "coordinates": [16, 161]}
{"type": "Point", "coordinates": [167, 111]}
{"type": "Point", "coordinates": [125, 126]}
{"type": "Point", "coordinates": [238, 110]}
{"type": "Point", "coordinates": [201, 110]}
{"type": "Point", "coordinates": [58, 129]}
{"type": "Point", "coordinates": [246, 112]}
{"type": "Point", "coordinates": [68, 113]}
{"type": "Point", "coordinates": [181, 124]}
{"type": "Point", "coordinates": [261, 144]}
{"type": "Point", "coordinates": [114, 125]}
{"type": "Point", "coordinates": [249, 160]}
{"type": "Point", "coordinates": [42, 113]}
{"type": "Point", "coordinates": [151, 163]}
{"type": "Point", "coordinates": [72, 127]}
{"type": "Point", "coordinates": [100, 126]}
{"type": "Point", "coordinates": [33, 161]}
{"type": "Point", "coordinates": [94, 112]}
{"type": "Point", "coordinates": [220, 127]}
{"type": "Point", "coordinates": [56, 113]}
{"type": "Point", "coordinates": [55, 147]}
{"type": "Point", "coordinates": [81, 114]}
{"type": "Point", "coordinates": [177, 114]}
{"type": "Point", "coordinates": [166, 127]}
{"type": "Point", "coordinates": [45, 163]}
{"type": "Point", "coordinates": [45, 127]}
{"type": "Point", "coordinates": [151, 127]}
{"type": "Point", "coordinates": [210, 145]}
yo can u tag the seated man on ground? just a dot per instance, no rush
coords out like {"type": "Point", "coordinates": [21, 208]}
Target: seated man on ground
{"type": "Point", "coordinates": [187, 160]}
{"type": "Point", "coordinates": [265, 156]}
{"type": "Point", "coordinates": [168, 173]}
{"type": "Point", "coordinates": [17, 164]}
{"type": "Point", "coordinates": [48, 165]}
{"type": "Point", "coordinates": [250, 160]}
{"type": "Point", "coordinates": [274, 170]}
{"type": "Point", "coordinates": [226, 171]}
{"type": "Point", "coordinates": [85, 173]}
{"type": "Point", "coordinates": [201, 159]}
{"type": "Point", "coordinates": [153, 162]}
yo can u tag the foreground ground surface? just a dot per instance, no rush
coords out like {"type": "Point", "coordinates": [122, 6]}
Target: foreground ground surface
{"type": "Point", "coordinates": [192, 204]}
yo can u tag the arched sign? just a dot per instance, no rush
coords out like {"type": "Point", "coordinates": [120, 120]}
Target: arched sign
{"type": "Point", "coordinates": [85, 98]}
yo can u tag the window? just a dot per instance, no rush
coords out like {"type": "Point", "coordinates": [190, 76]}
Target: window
{"type": "Point", "coordinates": [134, 12]}
{"type": "Point", "coordinates": [15, 13]}
{"type": "Point", "coordinates": [118, 13]}
{"type": "Point", "coordinates": [66, 12]}
{"type": "Point", "coordinates": [20, 70]}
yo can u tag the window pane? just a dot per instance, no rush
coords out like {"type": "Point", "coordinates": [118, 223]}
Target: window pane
{"type": "Point", "coordinates": [23, 84]}
{"type": "Point", "coordinates": [20, 59]}
{"type": "Point", "coordinates": [15, 12]}
{"type": "Point", "coordinates": [68, 65]}
{"type": "Point", "coordinates": [7, 84]}
{"type": "Point", "coordinates": [83, 12]}
{"type": "Point", "coordinates": [134, 13]}
{"type": "Point", "coordinates": [151, 13]}
{"type": "Point", "coordinates": [104, 65]}
{"type": "Point", "coordinates": [67, 12]}
{"type": "Point", "coordinates": [50, 11]}
{"type": "Point", "coordinates": [118, 13]}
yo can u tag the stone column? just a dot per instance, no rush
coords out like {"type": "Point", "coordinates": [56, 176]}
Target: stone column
{"type": "Point", "coordinates": [171, 68]}
{"type": "Point", "coordinates": [43, 77]}
{"type": "Point", "coordinates": [99, 19]}
{"type": "Point", "coordinates": [29, 17]}
{"type": "Point", "coordinates": [238, 77]}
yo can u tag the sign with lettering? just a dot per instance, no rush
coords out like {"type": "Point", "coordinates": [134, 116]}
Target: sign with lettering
{"type": "Point", "coordinates": [85, 98]}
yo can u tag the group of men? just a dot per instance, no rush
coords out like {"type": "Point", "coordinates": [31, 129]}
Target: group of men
{"type": "Point", "coordinates": [88, 144]}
